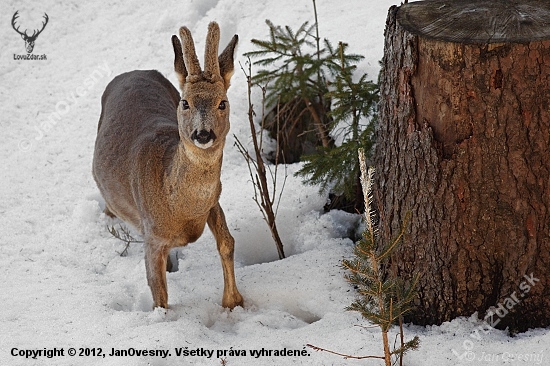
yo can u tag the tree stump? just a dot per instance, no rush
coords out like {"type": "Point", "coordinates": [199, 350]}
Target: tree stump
{"type": "Point", "coordinates": [463, 144]}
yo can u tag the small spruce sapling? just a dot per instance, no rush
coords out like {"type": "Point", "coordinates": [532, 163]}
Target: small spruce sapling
{"type": "Point", "coordinates": [353, 115]}
{"type": "Point", "coordinates": [383, 299]}
{"type": "Point", "coordinates": [309, 79]}
{"type": "Point", "coordinates": [295, 73]}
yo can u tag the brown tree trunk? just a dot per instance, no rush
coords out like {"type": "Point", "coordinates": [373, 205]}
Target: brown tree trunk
{"type": "Point", "coordinates": [463, 143]}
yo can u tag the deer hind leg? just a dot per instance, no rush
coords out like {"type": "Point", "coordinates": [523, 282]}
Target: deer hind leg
{"type": "Point", "coordinates": [226, 244]}
{"type": "Point", "coordinates": [156, 253]}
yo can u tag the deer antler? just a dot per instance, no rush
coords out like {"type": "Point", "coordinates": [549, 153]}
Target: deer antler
{"type": "Point", "coordinates": [43, 26]}
{"type": "Point", "coordinates": [211, 64]}
{"type": "Point", "coordinates": [25, 35]}
{"type": "Point", "coordinates": [15, 16]}
{"type": "Point", "coordinates": [189, 55]}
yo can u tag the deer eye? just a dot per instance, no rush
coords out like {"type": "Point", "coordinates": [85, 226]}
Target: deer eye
{"type": "Point", "coordinates": [222, 105]}
{"type": "Point", "coordinates": [184, 104]}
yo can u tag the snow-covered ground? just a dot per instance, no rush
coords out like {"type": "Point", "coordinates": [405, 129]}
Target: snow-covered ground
{"type": "Point", "coordinates": [63, 283]}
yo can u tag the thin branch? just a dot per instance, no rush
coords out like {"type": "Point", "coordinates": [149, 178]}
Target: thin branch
{"type": "Point", "coordinates": [264, 91]}
{"type": "Point", "coordinates": [123, 234]}
{"type": "Point", "coordinates": [254, 179]}
{"type": "Point", "coordinates": [259, 179]}
{"type": "Point", "coordinates": [343, 354]}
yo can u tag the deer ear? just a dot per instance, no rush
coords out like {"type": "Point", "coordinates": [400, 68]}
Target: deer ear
{"type": "Point", "coordinates": [179, 65]}
{"type": "Point", "coordinates": [23, 36]}
{"type": "Point", "coordinates": [226, 61]}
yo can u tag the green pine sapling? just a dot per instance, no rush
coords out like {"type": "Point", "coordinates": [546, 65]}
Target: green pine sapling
{"type": "Point", "coordinates": [352, 113]}
{"type": "Point", "coordinates": [294, 74]}
{"type": "Point", "coordinates": [309, 79]}
{"type": "Point", "coordinates": [383, 298]}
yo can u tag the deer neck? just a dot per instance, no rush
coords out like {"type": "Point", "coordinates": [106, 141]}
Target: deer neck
{"type": "Point", "coordinates": [194, 167]}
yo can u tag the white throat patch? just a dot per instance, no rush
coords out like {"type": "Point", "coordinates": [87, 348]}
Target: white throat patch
{"type": "Point", "coordinates": [203, 146]}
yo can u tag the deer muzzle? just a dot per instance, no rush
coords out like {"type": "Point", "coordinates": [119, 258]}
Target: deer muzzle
{"type": "Point", "coordinates": [203, 138]}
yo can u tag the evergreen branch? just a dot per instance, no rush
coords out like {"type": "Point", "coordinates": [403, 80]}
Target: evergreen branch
{"type": "Point", "coordinates": [408, 346]}
{"type": "Point", "coordinates": [366, 183]}
{"type": "Point", "coordinates": [387, 251]}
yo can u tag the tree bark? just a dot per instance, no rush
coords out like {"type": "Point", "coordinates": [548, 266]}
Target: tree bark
{"type": "Point", "coordinates": [463, 143]}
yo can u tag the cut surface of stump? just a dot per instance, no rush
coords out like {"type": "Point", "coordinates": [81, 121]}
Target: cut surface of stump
{"type": "Point", "coordinates": [485, 21]}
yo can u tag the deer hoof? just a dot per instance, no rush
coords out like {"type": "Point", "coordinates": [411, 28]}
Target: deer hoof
{"type": "Point", "coordinates": [232, 302]}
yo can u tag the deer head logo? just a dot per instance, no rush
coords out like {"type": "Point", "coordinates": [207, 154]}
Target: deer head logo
{"type": "Point", "coordinates": [29, 40]}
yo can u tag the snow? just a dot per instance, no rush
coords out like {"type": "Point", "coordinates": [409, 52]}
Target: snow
{"type": "Point", "coordinates": [62, 281]}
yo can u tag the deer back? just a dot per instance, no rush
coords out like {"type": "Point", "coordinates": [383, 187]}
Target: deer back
{"type": "Point", "coordinates": [137, 138]}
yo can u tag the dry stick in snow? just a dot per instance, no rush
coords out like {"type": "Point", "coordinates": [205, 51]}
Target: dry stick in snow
{"type": "Point", "coordinates": [259, 179]}
{"type": "Point", "coordinates": [123, 234]}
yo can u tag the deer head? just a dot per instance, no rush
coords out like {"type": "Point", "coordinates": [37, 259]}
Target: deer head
{"type": "Point", "coordinates": [203, 112]}
{"type": "Point", "coordinates": [29, 40]}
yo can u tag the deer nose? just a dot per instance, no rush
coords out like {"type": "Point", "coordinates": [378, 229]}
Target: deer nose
{"type": "Point", "coordinates": [203, 137]}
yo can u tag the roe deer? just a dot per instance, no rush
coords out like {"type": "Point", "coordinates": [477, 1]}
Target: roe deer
{"type": "Point", "coordinates": [158, 156]}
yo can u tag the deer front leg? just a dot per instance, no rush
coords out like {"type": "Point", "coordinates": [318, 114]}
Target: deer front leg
{"type": "Point", "coordinates": [155, 264]}
{"type": "Point", "coordinates": [226, 243]}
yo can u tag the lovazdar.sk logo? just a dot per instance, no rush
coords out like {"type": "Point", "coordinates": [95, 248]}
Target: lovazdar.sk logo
{"type": "Point", "coordinates": [29, 39]}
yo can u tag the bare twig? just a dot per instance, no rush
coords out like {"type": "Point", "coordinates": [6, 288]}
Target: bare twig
{"type": "Point", "coordinates": [123, 234]}
{"type": "Point", "coordinates": [343, 354]}
{"type": "Point", "coordinates": [262, 196]}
